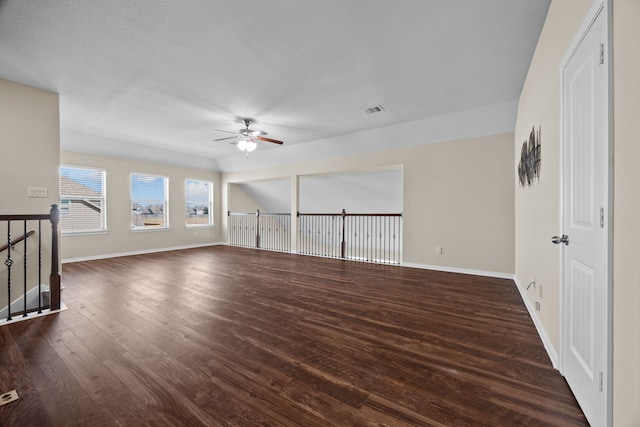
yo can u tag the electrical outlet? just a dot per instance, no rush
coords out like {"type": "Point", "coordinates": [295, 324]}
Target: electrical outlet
{"type": "Point", "coordinates": [8, 397]}
{"type": "Point", "coordinates": [537, 305]}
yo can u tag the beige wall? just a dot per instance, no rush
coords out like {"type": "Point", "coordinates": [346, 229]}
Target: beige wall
{"type": "Point", "coordinates": [120, 239]}
{"type": "Point", "coordinates": [537, 208]}
{"type": "Point", "coordinates": [29, 147]}
{"type": "Point", "coordinates": [457, 195]}
{"type": "Point", "coordinates": [29, 157]}
{"type": "Point", "coordinates": [239, 201]}
{"type": "Point", "coordinates": [626, 237]}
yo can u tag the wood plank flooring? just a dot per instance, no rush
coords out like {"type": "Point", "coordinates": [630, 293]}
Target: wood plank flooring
{"type": "Point", "coordinates": [226, 336]}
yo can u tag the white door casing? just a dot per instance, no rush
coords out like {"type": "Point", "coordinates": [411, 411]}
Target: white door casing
{"type": "Point", "coordinates": [585, 211]}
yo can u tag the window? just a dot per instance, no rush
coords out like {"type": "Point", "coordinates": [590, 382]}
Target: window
{"type": "Point", "coordinates": [149, 201]}
{"type": "Point", "coordinates": [82, 200]}
{"type": "Point", "coordinates": [199, 197]}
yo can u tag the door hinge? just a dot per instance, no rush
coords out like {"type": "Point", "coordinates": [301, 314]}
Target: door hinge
{"type": "Point", "coordinates": [601, 56]}
{"type": "Point", "coordinates": [601, 382]}
{"type": "Point", "coordinates": [601, 217]}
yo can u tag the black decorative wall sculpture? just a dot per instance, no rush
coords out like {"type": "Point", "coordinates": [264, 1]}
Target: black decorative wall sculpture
{"type": "Point", "coordinates": [529, 167]}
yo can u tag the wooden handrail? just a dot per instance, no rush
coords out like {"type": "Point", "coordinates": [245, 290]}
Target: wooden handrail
{"type": "Point", "coordinates": [229, 213]}
{"type": "Point", "coordinates": [346, 214]}
{"type": "Point", "coordinates": [349, 214]}
{"type": "Point", "coordinates": [27, 217]}
{"type": "Point", "coordinates": [17, 240]}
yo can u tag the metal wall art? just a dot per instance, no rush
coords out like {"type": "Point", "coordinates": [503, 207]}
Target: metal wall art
{"type": "Point", "coordinates": [529, 167]}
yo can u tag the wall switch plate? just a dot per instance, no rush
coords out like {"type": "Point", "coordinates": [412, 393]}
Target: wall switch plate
{"type": "Point", "coordinates": [37, 192]}
{"type": "Point", "coordinates": [537, 305]}
{"type": "Point", "coordinates": [438, 250]}
{"type": "Point", "coordinates": [540, 290]}
{"type": "Point", "coordinates": [8, 397]}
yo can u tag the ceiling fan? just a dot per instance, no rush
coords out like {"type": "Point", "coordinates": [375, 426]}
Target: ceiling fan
{"type": "Point", "coordinates": [247, 137]}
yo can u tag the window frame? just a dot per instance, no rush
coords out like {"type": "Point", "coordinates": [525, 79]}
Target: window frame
{"type": "Point", "coordinates": [211, 219]}
{"type": "Point", "coordinates": [165, 203]}
{"type": "Point", "coordinates": [66, 204]}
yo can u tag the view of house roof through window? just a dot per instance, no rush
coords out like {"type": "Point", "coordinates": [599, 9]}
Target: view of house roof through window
{"type": "Point", "coordinates": [82, 200]}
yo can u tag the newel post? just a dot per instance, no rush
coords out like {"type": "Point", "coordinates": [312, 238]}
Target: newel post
{"type": "Point", "coordinates": [257, 228]}
{"type": "Point", "coordinates": [54, 278]}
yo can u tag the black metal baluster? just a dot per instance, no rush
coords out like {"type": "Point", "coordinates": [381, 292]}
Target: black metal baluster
{"type": "Point", "coordinates": [370, 237]}
{"type": "Point", "coordinates": [397, 239]}
{"type": "Point", "coordinates": [246, 233]}
{"type": "Point", "coordinates": [362, 241]}
{"type": "Point", "coordinates": [360, 237]}
{"type": "Point", "coordinates": [243, 231]}
{"type": "Point", "coordinates": [315, 241]}
{"type": "Point", "coordinates": [326, 249]}
{"type": "Point", "coordinates": [24, 263]}
{"type": "Point", "coordinates": [40, 266]}
{"type": "Point", "coordinates": [304, 230]}
{"type": "Point", "coordinates": [387, 254]}
{"type": "Point", "coordinates": [8, 262]}
{"type": "Point", "coordinates": [316, 227]}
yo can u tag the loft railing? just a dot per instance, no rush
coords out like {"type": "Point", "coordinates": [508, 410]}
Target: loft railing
{"type": "Point", "coordinates": [369, 237]}
{"type": "Point", "coordinates": [270, 231]}
{"type": "Point", "coordinates": [16, 248]}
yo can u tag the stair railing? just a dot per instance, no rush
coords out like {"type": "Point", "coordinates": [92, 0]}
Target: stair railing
{"type": "Point", "coordinates": [14, 242]}
{"type": "Point", "coordinates": [13, 245]}
{"type": "Point", "coordinates": [270, 231]}
{"type": "Point", "coordinates": [369, 237]}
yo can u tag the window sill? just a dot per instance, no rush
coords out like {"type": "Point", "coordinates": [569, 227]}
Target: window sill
{"type": "Point", "coordinates": [198, 226]}
{"type": "Point", "coordinates": [83, 233]}
{"type": "Point", "coordinates": [145, 230]}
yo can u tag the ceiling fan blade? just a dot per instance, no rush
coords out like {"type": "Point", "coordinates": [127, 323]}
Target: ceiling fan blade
{"type": "Point", "coordinates": [225, 131]}
{"type": "Point", "coordinates": [275, 141]}
{"type": "Point", "coordinates": [222, 139]}
{"type": "Point", "coordinates": [257, 132]}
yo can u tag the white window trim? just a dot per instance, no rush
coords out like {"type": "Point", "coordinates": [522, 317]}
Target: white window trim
{"type": "Point", "coordinates": [105, 228]}
{"type": "Point", "coordinates": [166, 203]}
{"type": "Point", "coordinates": [211, 223]}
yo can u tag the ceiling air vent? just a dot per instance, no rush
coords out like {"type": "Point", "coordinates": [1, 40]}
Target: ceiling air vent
{"type": "Point", "coordinates": [376, 109]}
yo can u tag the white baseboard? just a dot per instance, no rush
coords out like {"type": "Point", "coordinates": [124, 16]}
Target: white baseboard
{"type": "Point", "coordinates": [499, 275]}
{"type": "Point", "coordinates": [551, 351]}
{"type": "Point", "coordinates": [17, 305]}
{"type": "Point", "coordinates": [141, 252]}
{"type": "Point", "coordinates": [33, 315]}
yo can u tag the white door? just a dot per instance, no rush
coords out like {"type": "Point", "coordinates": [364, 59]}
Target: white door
{"type": "Point", "coordinates": [584, 335]}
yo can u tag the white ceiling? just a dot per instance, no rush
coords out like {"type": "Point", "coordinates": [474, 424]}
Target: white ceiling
{"type": "Point", "coordinates": [148, 74]}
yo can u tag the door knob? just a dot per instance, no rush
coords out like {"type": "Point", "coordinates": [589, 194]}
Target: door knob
{"type": "Point", "coordinates": [557, 240]}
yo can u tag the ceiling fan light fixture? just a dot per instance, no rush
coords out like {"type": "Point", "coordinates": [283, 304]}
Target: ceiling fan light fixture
{"type": "Point", "coordinates": [246, 138]}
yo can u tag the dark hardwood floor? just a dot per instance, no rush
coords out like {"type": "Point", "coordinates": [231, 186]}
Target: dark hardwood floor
{"type": "Point", "coordinates": [239, 337]}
